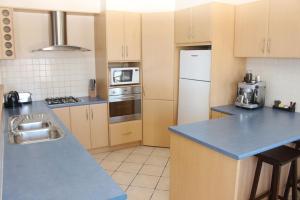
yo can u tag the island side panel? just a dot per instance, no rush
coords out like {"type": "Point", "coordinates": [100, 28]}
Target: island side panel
{"type": "Point", "coordinates": [198, 172]}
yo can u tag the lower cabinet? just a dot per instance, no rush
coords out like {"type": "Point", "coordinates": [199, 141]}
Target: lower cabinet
{"type": "Point", "coordinates": [217, 115]}
{"type": "Point", "coordinates": [158, 115]}
{"type": "Point", "coordinates": [125, 132]}
{"type": "Point", "coordinates": [80, 123]}
{"type": "Point", "coordinates": [88, 123]}
{"type": "Point", "coordinates": [64, 115]}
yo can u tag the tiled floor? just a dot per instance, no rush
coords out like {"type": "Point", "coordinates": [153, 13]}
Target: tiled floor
{"type": "Point", "coordinates": [142, 172]}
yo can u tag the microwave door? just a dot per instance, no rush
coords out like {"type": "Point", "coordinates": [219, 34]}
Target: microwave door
{"type": "Point", "coordinates": [127, 76]}
{"type": "Point", "coordinates": [117, 76]}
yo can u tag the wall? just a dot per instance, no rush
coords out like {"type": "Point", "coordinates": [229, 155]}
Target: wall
{"type": "Point", "coordinates": [140, 5]}
{"type": "Point", "coordinates": [91, 6]}
{"type": "Point", "coordinates": [180, 4]}
{"type": "Point", "coordinates": [282, 77]}
{"type": "Point", "coordinates": [47, 74]}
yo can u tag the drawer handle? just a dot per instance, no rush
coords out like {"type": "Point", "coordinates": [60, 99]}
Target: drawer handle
{"type": "Point", "coordinates": [127, 133]}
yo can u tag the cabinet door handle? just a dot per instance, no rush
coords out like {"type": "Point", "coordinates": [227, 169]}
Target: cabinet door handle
{"type": "Point", "coordinates": [86, 114]}
{"type": "Point", "coordinates": [126, 51]}
{"type": "Point", "coordinates": [92, 113]}
{"type": "Point", "coordinates": [122, 51]}
{"type": "Point", "coordinates": [269, 45]}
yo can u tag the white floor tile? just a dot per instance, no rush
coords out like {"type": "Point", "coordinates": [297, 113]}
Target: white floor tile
{"type": "Point", "coordinates": [100, 156]}
{"type": "Point", "coordinates": [123, 178]}
{"type": "Point", "coordinates": [136, 193]}
{"type": "Point", "coordinates": [137, 158]}
{"type": "Point", "coordinates": [157, 160]}
{"type": "Point", "coordinates": [144, 150]}
{"type": "Point", "coordinates": [160, 195]}
{"type": "Point", "coordinates": [145, 181]}
{"type": "Point", "coordinates": [114, 156]}
{"type": "Point", "coordinates": [163, 184]}
{"type": "Point", "coordinates": [110, 165]}
{"type": "Point", "coordinates": [130, 167]}
{"type": "Point", "coordinates": [152, 170]}
{"type": "Point", "coordinates": [166, 172]}
{"type": "Point", "coordinates": [163, 152]}
{"type": "Point", "coordinates": [125, 151]}
{"type": "Point", "coordinates": [124, 187]}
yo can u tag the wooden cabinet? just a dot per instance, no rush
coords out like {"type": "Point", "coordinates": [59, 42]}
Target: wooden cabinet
{"type": "Point", "coordinates": [193, 25]}
{"type": "Point", "coordinates": [217, 115]}
{"type": "Point", "coordinates": [81, 125]}
{"type": "Point", "coordinates": [98, 125]}
{"type": "Point", "coordinates": [251, 28]}
{"type": "Point", "coordinates": [183, 25]}
{"type": "Point", "coordinates": [284, 28]}
{"type": "Point", "coordinates": [123, 32]}
{"type": "Point", "coordinates": [125, 132]}
{"type": "Point", "coordinates": [64, 115]}
{"type": "Point", "coordinates": [7, 44]}
{"type": "Point", "coordinates": [158, 116]}
{"type": "Point", "coordinates": [88, 123]}
{"type": "Point", "coordinates": [158, 77]}
{"type": "Point", "coordinates": [158, 63]}
{"type": "Point", "coordinates": [264, 29]}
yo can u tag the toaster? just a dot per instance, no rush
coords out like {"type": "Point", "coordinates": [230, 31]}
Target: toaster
{"type": "Point", "coordinates": [25, 97]}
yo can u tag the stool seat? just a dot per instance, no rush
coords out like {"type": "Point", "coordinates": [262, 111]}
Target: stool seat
{"type": "Point", "coordinates": [280, 156]}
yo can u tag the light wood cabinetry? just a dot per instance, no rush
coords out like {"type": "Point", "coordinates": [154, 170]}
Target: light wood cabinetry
{"type": "Point", "coordinates": [81, 124]}
{"type": "Point", "coordinates": [64, 115]}
{"type": "Point", "coordinates": [158, 116]}
{"type": "Point", "coordinates": [88, 123]}
{"type": "Point", "coordinates": [193, 25]}
{"type": "Point", "coordinates": [158, 77]}
{"type": "Point", "coordinates": [125, 132]}
{"type": "Point", "coordinates": [264, 29]}
{"type": "Point", "coordinates": [123, 32]}
{"type": "Point", "coordinates": [7, 44]}
{"type": "Point", "coordinates": [99, 125]}
{"type": "Point", "coordinates": [251, 29]}
{"type": "Point", "coordinates": [217, 115]}
{"type": "Point", "coordinates": [284, 28]}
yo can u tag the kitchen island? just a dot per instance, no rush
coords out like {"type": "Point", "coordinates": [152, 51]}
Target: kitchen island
{"type": "Point", "coordinates": [215, 159]}
{"type": "Point", "coordinates": [59, 169]}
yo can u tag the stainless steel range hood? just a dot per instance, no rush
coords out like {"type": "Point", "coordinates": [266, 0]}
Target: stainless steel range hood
{"type": "Point", "coordinates": [58, 34]}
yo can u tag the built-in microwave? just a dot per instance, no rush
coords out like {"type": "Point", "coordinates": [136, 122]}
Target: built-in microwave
{"type": "Point", "coordinates": [124, 76]}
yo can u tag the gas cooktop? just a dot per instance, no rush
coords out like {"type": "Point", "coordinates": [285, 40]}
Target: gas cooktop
{"type": "Point", "coordinates": [61, 100]}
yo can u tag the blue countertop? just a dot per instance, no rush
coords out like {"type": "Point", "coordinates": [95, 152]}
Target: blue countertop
{"type": "Point", "coordinates": [57, 170]}
{"type": "Point", "coordinates": [83, 101]}
{"type": "Point", "coordinates": [244, 133]}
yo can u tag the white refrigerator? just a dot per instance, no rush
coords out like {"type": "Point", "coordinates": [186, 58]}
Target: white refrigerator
{"type": "Point", "coordinates": [194, 86]}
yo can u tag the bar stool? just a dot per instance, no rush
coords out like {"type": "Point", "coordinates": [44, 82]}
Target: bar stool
{"type": "Point", "coordinates": [277, 158]}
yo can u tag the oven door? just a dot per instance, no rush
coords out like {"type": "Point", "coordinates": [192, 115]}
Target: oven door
{"type": "Point", "coordinates": [125, 108]}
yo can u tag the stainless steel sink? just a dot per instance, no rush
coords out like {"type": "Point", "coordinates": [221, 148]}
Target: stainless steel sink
{"type": "Point", "coordinates": [27, 129]}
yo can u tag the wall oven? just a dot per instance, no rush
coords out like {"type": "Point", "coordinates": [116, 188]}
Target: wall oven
{"type": "Point", "coordinates": [125, 103]}
{"type": "Point", "coordinates": [124, 76]}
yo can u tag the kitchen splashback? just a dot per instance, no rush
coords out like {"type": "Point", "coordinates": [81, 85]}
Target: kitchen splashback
{"type": "Point", "coordinates": [282, 77]}
{"type": "Point", "coordinates": [49, 74]}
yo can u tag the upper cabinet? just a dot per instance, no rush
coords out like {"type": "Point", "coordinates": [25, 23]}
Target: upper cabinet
{"type": "Point", "coordinates": [264, 29]}
{"type": "Point", "coordinates": [193, 25]}
{"type": "Point", "coordinates": [123, 36]}
{"type": "Point", "coordinates": [7, 50]}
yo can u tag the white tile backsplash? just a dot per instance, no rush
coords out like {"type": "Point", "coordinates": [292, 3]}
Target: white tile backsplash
{"type": "Point", "coordinates": [282, 77]}
{"type": "Point", "coordinates": [49, 74]}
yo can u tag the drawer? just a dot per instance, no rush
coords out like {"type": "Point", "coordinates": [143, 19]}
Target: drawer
{"type": "Point", "coordinates": [125, 132]}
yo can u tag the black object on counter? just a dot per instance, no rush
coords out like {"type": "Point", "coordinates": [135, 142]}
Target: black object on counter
{"type": "Point", "coordinates": [291, 108]}
{"type": "Point", "coordinates": [248, 77]}
{"type": "Point", "coordinates": [11, 99]}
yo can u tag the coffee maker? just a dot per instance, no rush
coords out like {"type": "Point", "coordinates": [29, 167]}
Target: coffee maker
{"type": "Point", "coordinates": [251, 93]}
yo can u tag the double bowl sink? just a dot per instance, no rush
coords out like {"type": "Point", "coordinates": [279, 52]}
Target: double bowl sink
{"type": "Point", "coordinates": [33, 128]}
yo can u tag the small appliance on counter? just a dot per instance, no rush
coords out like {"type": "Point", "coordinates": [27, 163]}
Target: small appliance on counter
{"type": "Point", "coordinates": [92, 88]}
{"type": "Point", "coordinates": [25, 97]}
{"type": "Point", "coordinates": [251, 92]}
{"type": "Point", "coordinates": [11, 99]}
{"type": "Point", "coordinates": [280, 106]}
{"type": "Point", "coordinates": [61, 100]}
